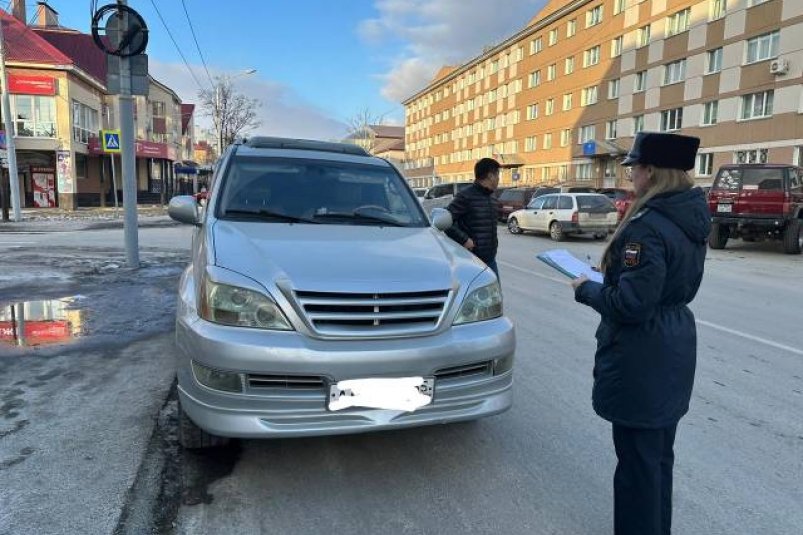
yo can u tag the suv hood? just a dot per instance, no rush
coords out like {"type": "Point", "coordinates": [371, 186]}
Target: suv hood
{"type": "Point", "coordinates": [687, 209]}
{"type": "Point", "coordinates": [343, 258]}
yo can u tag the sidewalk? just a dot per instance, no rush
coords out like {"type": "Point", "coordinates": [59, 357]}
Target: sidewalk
{"type": "Point", "coordinates": [58, 220]}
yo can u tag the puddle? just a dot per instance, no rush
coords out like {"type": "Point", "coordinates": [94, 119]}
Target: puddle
{"type": "Point", "coordinates": [39, 323]}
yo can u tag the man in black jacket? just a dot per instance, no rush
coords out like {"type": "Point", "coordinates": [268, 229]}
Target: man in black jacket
{"type": "Point", "coordinates": [474, 212]}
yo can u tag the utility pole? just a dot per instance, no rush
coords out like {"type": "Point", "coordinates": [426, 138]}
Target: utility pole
{"type": "Point", "coordinates": [9, 127]}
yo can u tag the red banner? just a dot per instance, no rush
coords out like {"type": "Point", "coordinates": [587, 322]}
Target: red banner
{"type": "Point", "coordinates": [21, 84]}
{"type": "Point", "coordinates": [37, 332]}
{"type": "Point", "coordinates": [145, 149]}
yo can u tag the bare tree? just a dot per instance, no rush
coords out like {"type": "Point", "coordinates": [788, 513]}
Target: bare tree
{"type": "Point", "coordinates": [232, 113]}
{"type": "Point", "coordinates": [359, 128]}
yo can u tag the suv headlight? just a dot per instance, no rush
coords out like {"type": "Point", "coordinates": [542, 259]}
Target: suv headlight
{"type": "Point", "coordinates": [239, 307]}
{"type": "Point", "coordinates": [482, 304]}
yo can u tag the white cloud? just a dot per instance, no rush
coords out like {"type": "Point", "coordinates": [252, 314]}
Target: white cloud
{"type": "Point", "coordinates": [440, 32]}
{"type": "Point", "coordinates": [283, 112]}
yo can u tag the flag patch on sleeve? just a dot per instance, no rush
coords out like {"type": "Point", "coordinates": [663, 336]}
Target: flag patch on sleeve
{"type": "Point", "coordinates": [632, 254]}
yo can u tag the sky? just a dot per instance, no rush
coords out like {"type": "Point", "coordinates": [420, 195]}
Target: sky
{"type": "Point", "coordinates": [318, 63]}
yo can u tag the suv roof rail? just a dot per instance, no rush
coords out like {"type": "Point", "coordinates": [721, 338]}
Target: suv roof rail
{"type": "Point", "coordinates": [265, 142]}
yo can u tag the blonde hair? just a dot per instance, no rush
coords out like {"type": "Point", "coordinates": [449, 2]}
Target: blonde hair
{"type": "Point", "coordinates": [661, 180]}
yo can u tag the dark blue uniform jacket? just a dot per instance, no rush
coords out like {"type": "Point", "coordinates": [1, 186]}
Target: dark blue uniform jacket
{"type": "Point", "coordinates": [647, 339]}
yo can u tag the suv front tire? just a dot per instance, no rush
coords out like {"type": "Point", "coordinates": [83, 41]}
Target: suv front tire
{"type": "Point", "coordinates": [792, 237]}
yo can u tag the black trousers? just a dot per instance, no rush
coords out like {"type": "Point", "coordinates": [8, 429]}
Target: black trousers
{"type": "Point", "coordinates": [642, 484]}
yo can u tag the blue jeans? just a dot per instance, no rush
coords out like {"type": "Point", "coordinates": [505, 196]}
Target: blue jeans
{"type": "Point", "coordinates": [492, 264]}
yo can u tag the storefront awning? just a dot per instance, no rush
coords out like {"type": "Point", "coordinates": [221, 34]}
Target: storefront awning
{"type": "Point", "coordinates": [602, 149]}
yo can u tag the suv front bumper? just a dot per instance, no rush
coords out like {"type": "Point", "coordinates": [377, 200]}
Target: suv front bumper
{"type": "Point", "coordinates": [292, 413]}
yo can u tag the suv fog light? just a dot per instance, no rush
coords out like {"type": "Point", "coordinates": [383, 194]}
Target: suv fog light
{"type": "Point", "coordinates": [503, 365]}
{"type": "Point", "coordinates": [217, 379]}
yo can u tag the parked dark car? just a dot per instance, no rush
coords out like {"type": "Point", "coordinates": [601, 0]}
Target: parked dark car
{"type": "Point", "coordinates": [513, 199]}
{"type": "Point", "coordinates": [501, 189]}
{"type": "Point", "coordinates": [757, 202]}
{"type": "Point", "coordinates": [544, 190]}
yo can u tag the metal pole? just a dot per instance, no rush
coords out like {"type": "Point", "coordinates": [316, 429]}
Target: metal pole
{"type": "Point", "coordinates": [129, 164]}
{"type": "Point", "coordinates": [114, 185]}
{"type": "Point", "coordinates": [9, 127]}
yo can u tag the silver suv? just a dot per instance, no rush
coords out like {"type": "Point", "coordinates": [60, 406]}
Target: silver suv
{"type": "Point", "coordinates": [320, 300]}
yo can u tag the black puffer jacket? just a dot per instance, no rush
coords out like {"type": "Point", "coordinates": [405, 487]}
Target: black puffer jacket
{"type": "Point", "coordinates": [647, 339]}
{"type": "Point", "coordinates": [474, 213]}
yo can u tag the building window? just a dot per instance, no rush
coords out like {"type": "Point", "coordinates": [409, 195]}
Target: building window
{"type": "Point", "coordinates": [551, 72]}
{"type": "Point", "coordinates": [757, 105]}
{"type": "Point", "coordinates": [671, 119]}
{"type": "Point", "coordinates": [616, 47]}
{"type": "Point", "coordinates": [717, 9]}
{"type": "Point", "coordinates": [569, 65]}
{"type": "Point", "coordinates": [593, 16]}
{"type": "Point", "coordinates": [84, 122]}
{"type": "Point", "coordinates": [588, 96]}
{"type": "Point", "coordinates": [567, 102]}
{"type": "Point", "coordinates": [705, 164]}
{"type": "Point", "coordinates": [762, 47]}
{"type": "Point", "coordinates": [553, 36]}
{"type": "Point", "coordinates": [613, 88]}
{"type": "Point", "coordinates": [519, 54]}
{"type": "Point", "coordinates": [81, 165]}
{"type": "Point", "coordinates": [547, 141]}
{"type": "Point", "coordinates": [35, 116]}
{"type": "Point", "coordinates": [638, 124]}
{"type": "Point", "coordinates": [710, 113]}
{"type": "Point", "coordinates": [529, 144]}
{"type": "Point", "coordinates": [550, 106]}
{"type": "Point", "coordinates": [565, 137]}
{"type": "Point", "coordinates": [643, 36]}
{"type": "Point", "coordinates": [535, 79]}
{"type": "Point", "coordinates": [674, 72]}
{"type": "Point", "coordinates": [640, 82]}
{"type": "Point", "coordinates": [678, 23]}
{"type": "Point", "coordinates": [532, 112]}
{"type": "Point", "coordinates": [610, 129]}
{"type": "Point", "coordinates": [536, 46]}
{"type": "Point", "coordinates": [571, 28]}
{"type": "Point", "coordinates": [618, 6]}
{"type": "Point", "coordinates": [751, 156]}
{"type": "Point", "coordinates": [586, 133]}
{"type": "Point", "coordinates": [584, 172]}
{"type": "Point", "coordinates": [591, 56]}
{"type": "Point", "coordinates": [713, 61]}
{"type": "Point", "coordinates": [492, 96]}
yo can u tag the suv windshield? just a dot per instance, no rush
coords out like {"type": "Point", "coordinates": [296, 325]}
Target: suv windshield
{"type": "Point", "coordinates": [316, 191]}
{"type": "Point", "coordinates": [734, 179]}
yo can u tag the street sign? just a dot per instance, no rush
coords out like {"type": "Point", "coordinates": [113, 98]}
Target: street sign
{"type": "Point", "coordinates": [110, 141]}
{"type": "Point", "coordinates": [2, 139]}
{"type": "Point", "coordinates": [140, 83]}
{"type": "Point", "coordinates": [589, 148]}
{"type": "Point", "coordinates": [123, 33]}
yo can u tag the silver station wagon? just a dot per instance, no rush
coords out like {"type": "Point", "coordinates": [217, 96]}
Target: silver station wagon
{"type": "Point", "coordinates": [321, 300]}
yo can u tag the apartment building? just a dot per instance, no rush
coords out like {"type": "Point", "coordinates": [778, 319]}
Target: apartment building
{"type": "Point", "coordinates": [560, 101]}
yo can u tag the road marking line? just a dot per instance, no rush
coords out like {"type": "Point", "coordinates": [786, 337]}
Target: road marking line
{"type": "Point", "coordinates": [750, 337]}
{"type": "Point", "coordinates": [531, 272]}
{"type": "Point", "coordinates": [704, 323]}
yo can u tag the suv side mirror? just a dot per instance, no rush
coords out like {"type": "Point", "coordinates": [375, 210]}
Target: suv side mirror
{"type": "Point", "coordinates": [184, 209]}
{"type": "Point", "coordinates": [441, 218]}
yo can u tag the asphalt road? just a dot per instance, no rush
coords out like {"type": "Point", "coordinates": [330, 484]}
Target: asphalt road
{"type": "Point", "coordinates": [544, 467]}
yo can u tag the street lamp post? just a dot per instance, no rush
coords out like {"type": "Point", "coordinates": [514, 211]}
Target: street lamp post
{"type": "Point", "coordinates": [219, 115]}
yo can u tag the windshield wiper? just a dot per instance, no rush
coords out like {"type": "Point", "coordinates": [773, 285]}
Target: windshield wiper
{"type": "Point", "coordinates": [267, 214]}
{"type": "Point", "coordinates": [378, 217]}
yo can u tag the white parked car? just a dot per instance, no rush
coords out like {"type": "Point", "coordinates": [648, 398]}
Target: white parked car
{"type": "Point", "coordinates": [561, 214]}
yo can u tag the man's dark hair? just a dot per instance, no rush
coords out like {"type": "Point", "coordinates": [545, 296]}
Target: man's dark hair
{"type": "Point", "coordinates": [485, 166]}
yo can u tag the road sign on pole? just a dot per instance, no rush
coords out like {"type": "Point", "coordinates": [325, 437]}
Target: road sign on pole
{"type": "Point", "coordinates": [110, 141]}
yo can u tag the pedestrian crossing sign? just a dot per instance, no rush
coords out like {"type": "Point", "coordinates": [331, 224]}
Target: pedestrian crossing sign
{"type": "Point", "coordinates": [111, 141]}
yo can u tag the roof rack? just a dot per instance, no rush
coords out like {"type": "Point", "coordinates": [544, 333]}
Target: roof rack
{"type": "Point", "coordinates": [264, 142]}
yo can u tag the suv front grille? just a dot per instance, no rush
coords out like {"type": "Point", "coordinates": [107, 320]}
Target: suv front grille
{"type": "Point", "coordinates": [380, 314]}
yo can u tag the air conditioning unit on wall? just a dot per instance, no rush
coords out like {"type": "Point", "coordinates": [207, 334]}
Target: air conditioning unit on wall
{"type": "Point", "coordinates": [779, 66]}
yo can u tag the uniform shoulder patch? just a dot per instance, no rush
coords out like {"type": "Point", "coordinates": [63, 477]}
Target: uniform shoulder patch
{"type": "Point", "coordinates": [632, 254]}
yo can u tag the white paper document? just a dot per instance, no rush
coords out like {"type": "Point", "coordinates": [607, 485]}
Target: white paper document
{"type": "Point", "coordinates": [569, 265]}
